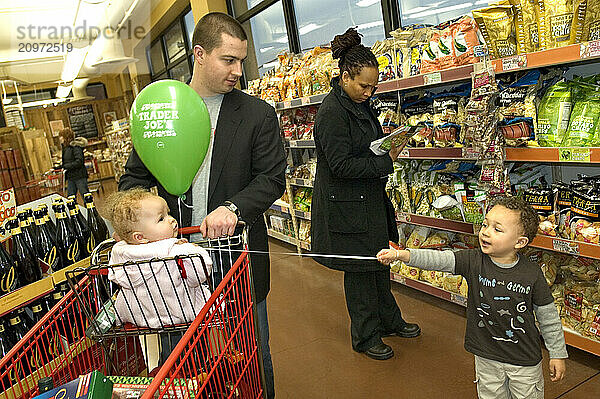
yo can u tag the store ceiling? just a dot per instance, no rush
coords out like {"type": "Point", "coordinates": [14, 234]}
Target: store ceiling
{"type": "Point", "coordinates": [35, 35]}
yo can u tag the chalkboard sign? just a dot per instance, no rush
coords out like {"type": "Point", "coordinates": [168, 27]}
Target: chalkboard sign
{"type": "Point", "coordinates": [83, 122]}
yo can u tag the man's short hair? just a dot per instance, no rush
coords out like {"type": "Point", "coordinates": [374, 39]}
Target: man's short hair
{"type": "Point", "coordinates": [210, 28]}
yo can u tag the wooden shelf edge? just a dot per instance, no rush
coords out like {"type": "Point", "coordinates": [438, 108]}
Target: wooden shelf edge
{"type": "Point", "coordinates": [282, 237]}
{"type": "Point", "coordinates": [573, 338]}
{"type": "Point", "coordinates": [429, 289]}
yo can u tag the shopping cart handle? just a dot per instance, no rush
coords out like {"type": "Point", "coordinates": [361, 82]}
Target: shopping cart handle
{"type": "Point", "coordinates": [196, 229]}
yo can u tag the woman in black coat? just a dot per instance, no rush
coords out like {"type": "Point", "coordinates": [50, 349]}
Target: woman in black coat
{"type": "Point", "coordinates": [351, 213]}
{"type": "Point", "coordinates": [73, 162]}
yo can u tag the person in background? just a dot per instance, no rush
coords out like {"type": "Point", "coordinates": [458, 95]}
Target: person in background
{"type": "Point", "coordinates": [244, 169]}
{"type": "Point", "coordinates": [351, 213]}
{"type": "Point", "coordinates": [507, 294]}
{"type": "Point", "coordinates": [73, 162]}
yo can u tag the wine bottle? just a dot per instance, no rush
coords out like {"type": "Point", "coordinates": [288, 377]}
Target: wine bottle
{"type": "Point", "coordinates": [32, 226]}
{"type": "Point", "coordinates": [79, 214]}
{"type": "Point", "coordinates": [5, 345]}
{"type": "Point", "coordinates": [46, 248]}
{"type": "Point", "coordinates": [9, 275]}
{"type": "Point", "coordinates": [26, 229]}
{"type": "Point", "coordinates": [97, 226]}
{"type": "Point", "coordinates": [25, 318]}
{"type": "Point", "coordinates": [17, 329]}
{"type": "Point", "coordinates": [49, 222]}
{"type": "Point", "coordinates": [45, 384]}
{"type": "Point", "coordinates": [66, 241]}
{"type": "Point", "coordinates": [23, 256]}
{"type": "Point", "coordinates": [38, 310]}
{"type": "Point", "coordinates": [82, 232]}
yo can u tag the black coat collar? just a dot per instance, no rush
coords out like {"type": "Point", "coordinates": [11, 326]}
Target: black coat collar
{"type": "Point", "coordinates": [356, 109]}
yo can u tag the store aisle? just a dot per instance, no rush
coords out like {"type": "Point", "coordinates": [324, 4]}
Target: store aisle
{"type": "Point", "coordinates": [313, 358]}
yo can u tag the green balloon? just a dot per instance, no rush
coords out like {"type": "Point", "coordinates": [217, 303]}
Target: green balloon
{"type": "Point", "coordinates": [170, 130]}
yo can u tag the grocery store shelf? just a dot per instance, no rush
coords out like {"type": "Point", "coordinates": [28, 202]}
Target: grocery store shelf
{"type": "Point", "coordinates": [280, 206]}
{"type": "Point", "coordinates": [302, 214]}
{"type": "Point", "coordinates": [554, 154]}
{"type": "Point", "coordinates": [300, 102]}
{"type": "Point", "coordinates": [575, 53]}
{"type": "Point", "coordinates": [573, 338]}
{"type": "Point", "coordinates": [429, 289]}
{"type": "Point", "coordinates": [302, 143]}
{"type": "Point", "coordinates": [282, 237]}
{"type": "Point", "coordinates": [294, 181]}
{"type": "Point", "coordinates": [567, 246]}
{"type": "Point", "coordinates": [435, 153]}
{"type": "Point", "coordinates": [436, 223]}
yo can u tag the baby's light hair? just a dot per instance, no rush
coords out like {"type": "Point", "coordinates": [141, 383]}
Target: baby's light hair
{"type": "Point", "coordinates": [123, 209]}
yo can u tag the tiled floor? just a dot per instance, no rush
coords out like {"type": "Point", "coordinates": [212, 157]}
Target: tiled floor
{"type": "Point", "coordinates": [312, 356]}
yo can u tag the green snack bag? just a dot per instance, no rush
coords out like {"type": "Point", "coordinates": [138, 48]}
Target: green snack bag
{"type": "Point", "coordinates": [553, 115]}
{"type": "Point", "coordinates": [585, 120]}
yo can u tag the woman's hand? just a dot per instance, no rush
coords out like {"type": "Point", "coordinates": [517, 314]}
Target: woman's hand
{"type": "Point", "coordinates": [395, 151]}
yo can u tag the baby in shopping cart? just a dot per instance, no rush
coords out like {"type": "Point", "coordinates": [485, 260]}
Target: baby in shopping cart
{"type": "Point", "coordinates": [162, 279]}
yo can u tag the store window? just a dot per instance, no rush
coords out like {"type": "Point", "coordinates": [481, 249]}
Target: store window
{"type": "Point", "coordinates": [433, 13]}
{"type": "Point", "coordinates": [267, 38]}
{"type": "Point", "coordinates": [174, 42]}
{"type": "Point", "coordinates": [181, 71]}
{"type": "Point", "coordinates": [157, 62]}
{"type": "Point", "coordinates": [189, 26]}
{"type": "Point", "coordinates": [319, 21]}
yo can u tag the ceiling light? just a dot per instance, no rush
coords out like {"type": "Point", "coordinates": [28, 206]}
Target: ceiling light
{"type": "Point", "coordinates": [73, 63]}
{"type": "Point", "coordinates": [366, 3]}
{"type": "Point", "coordinates": [369, 25]}
{"type": "Point", "coordinates": [441, 10]}
{"type": "Point", "coordinates": [62, 91]}
{"type": "Point", "coordinates": [309, 28]}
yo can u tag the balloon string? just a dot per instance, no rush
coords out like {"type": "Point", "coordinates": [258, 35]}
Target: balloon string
{"type": "Point", "coordinates": [179, 202]}
{"type": "Point", "coordinates": [310, 255]}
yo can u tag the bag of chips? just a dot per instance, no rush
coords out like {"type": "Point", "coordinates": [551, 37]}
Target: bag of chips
{"type": "Point", "coordinates": [585, 215]}
{"type": "Point", "coordinates": [385, 53]}
{"type": "Point", "coordinates": [417, 237]}
{"type": "Point", "coordinates": [553, 115]}
{"type": "Point", "coordinates": [526, 20]}
{"type": "Point", "coordinates": [498, 29]}
{"type": "Point", "coordinates": [452, 282]}
{"type": "Point", "coordinates": [433, 277]}
{"type": "Point", "coordinates": [584, 121]}
{"type": "Point", "coordinates": [465, 35]}
{"type": "Point", "coordinates": [562, 207]}
{"type": "Point", "coordinates": [563, 22]}
{"type": "Point", "coordinates": [542, 200]}
{"type": "Point", "coordinates": [591, 24]}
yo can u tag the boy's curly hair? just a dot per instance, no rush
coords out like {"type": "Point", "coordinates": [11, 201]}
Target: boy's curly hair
{"type": "Point", "coordinates": [528, 216]}
{"type": "Point", "coordinates": [123, 208]}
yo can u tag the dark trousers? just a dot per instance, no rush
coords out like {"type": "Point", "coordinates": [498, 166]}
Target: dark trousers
{"type": "Point", "coordinates": [74, 185]}
{"type": "Point", "coordinates": [372, 308]}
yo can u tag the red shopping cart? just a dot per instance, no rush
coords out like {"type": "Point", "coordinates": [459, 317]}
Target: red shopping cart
{"type": "Point", "coordinates": [217, 354]}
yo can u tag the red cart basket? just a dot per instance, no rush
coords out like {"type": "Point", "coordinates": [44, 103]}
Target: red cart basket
{"type": "Point", "coordinates": [216, 355]}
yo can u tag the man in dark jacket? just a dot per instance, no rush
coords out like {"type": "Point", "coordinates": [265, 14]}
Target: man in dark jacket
{"type": "Point", "coordinates": [73, 162]}
{"type": "Point", "coordinates": [244, 169]}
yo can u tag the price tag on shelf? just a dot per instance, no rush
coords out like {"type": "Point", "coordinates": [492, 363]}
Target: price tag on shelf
{"type": "Point", "coordinates": [565, 246]}
{"type": "Point", "coordinates": [404, 153]}
{"type": "Point", "coordinates": [287, 104]}
{"type": "Point", "coordinates": [459, 299]}
{"type": "Point", "coordinates": [398, 278]}
{"type": "Point", "coordinates": [514, 62]}
{"type": "Point", "coordinates": [480, 50]}
{"type": "Point", "coordinates": [589, 49]}
{"type": "Point", "coordinates": [574, 155]}
{"type": "Point", "coordinates": [305, 100]}
{"type": "Point", "coordinates": [293, 143]}
{"type": "Point", "coordinates": [432, 78]}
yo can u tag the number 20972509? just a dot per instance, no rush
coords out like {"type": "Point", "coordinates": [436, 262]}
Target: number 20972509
{"type": "Point", "coordinates": [45, 47]}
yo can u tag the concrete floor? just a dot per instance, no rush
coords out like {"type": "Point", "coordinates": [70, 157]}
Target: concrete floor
{"type": "Point", "coordinates": [313, 358]}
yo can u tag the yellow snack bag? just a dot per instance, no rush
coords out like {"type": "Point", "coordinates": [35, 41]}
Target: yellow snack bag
{"type": "Point", "coordinates": [591, 24]}
{"type": "Point", "coordinates": [497, 26]}
{"type": "Point", "coordinates": [564, 22]}
{"type": "Point", "coordinates": [526, 21]}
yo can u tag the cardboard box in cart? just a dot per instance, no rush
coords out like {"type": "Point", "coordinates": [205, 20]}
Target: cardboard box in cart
{"type": "Point", "coordinates": [89, 386]}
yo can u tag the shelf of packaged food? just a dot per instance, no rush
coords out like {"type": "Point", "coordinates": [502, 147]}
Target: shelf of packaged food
{"type": "Point", "coordinates": [302, 214]}
{"type": "Point", "coordinates": [436, 223]}
{"type": "Point", "coordinates": [430, 289]}
{"type": "Point", "coordinates": [567, 246]}
{"type": "Point", "coordinates": [300, 102]}
{"type": "Point", "coordinates": [434, 153]}
{"type": "Point", "coordinates": [554, 154]}
{"type": "Point", "coordinates": [581, 52]}
{"type": "Point", "coordinates": [31, 292]}
{"type": "Point", "coordinates": [281, 206]}
{"type": "Point", "coordinates": [573, 338]}
{"type": "Point", "coordinates": [282, 237]}
{"type": "Point", "coordinates": [301, 143]}
{"type": "Point", "coordinates": [540, 241]}
{"type": "Point", "coordinates": [294, 181]}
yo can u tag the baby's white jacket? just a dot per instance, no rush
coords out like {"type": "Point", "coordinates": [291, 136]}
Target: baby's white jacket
{"type": "Point", "coordinates": [139, 300]}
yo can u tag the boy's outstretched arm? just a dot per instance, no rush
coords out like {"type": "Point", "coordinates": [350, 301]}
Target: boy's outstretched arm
{"type": "Point", "coordinates": [428, 259]}
{"type": "Point", "coordinates": [554, 338]}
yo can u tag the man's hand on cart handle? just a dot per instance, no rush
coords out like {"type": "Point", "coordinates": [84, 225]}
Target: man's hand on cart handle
{"type": "Point", "coordinates": [219, 223]}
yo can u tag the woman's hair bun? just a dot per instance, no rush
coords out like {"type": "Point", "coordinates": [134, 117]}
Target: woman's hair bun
{"type": "Point", "coordinates": [342, 43]}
